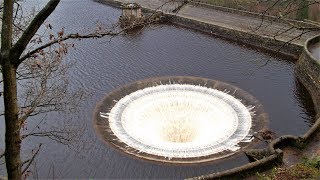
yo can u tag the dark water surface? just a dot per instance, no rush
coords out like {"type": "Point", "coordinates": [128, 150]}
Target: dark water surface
{"type": "Point", "coordinates": [160, 50]}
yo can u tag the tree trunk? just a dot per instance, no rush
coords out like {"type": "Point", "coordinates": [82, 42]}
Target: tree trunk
{"type": "Point", "coordinates": [12, 136]}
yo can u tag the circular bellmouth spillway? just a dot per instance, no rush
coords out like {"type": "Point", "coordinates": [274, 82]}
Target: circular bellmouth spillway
{"type": "Point", "coordinates": [179, 119]}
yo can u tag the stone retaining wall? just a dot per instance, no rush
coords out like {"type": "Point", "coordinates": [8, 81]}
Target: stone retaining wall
{"type": "Point", "coordinates": [263, 42]}
{"type": "Point", "coordinates": [308, 72]}
{"type": "Point", "coordinates": [253, 14]}
{"type": "Point", "coordinates": [112, 3]}
{"type": "Point", "coordinates": [268, 44]}
{"type": "Point", "coordinates": [244, 171]}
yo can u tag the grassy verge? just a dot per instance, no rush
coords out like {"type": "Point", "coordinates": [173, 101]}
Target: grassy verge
{"type": "Point", "coordinates": [307, 169]}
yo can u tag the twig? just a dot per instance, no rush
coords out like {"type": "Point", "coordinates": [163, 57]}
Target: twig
{"type": "Point", "coordinates": [33, 27]}
{"type": "Point", "coordinates": [2, 155]}
{"type": "Point", "coordinates": [58, 136]}
{"type": "Point", "coordinates": [263, 15]}
{"type": "Point", "coordinates": [70, 36]}
{"type": "Point", "coordinates": [31, 160]}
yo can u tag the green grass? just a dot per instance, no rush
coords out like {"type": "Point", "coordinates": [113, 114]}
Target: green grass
{"type": "Point", "coordinates": [309, 168]}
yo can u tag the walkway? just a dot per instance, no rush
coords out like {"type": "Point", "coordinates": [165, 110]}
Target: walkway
{"type": "Point", "coordinates": [244, 23]}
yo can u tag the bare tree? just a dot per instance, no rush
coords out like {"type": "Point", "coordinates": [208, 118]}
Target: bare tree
{"type": "Point", "coordinates": [40, 71]}
{"type": "Point", "coordinates": [34, 63]}
{"type": "Point", "coordinates": [11, 51]}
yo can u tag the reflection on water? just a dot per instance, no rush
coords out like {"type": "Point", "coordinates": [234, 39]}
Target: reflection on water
{"type": "Point", "coordinates": [162, 50]}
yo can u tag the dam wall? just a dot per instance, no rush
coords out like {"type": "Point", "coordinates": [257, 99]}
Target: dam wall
{"type": "Point", "coordinates": [282, 45]}
{"type": "Point", "coordinates": [253, 40]}
{"type": "Point", "coordinates": [308, 71]}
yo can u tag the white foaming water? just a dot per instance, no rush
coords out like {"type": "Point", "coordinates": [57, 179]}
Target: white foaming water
{"type": "Point", "coordinates": [180, 121]}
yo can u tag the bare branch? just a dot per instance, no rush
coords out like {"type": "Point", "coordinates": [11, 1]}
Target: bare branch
{"type": "Point", "coordinates": [2, 155]}
{"type": "Point", "coordinates": [281, 31]}
{"type": "Point", "coordinates": [48, 92]}
{"type": "Point", "coordinates": [300, 7]}
{"type": "Point", "coordinates": [31, 30]}
{"type": "Point", "coordinates": [15, 25]}
{"type": "Point", "coordinates": [99, 34]}
{"type": "Point", "coordinates": [283, 16]}
{"type": "Point", "coordinates": [58, 136]}
{"type": "Point", "coordinates": [264, 13]}
{"type": "Point", "coordinates": [17, 9]}
{"type": "Point", "coordinates": [30, 160]}
{"type": "Point", "coordinates": [284, 44]}
{"type": "Point", "coordinates": [70, 36]}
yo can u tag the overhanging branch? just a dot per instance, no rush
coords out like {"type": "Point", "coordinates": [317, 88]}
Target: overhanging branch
{"type": "Point", "coordinates": [70, 36]}
{"type": "Point", "coordinates": [99, 34]}
{"type": "Point", "coordinates": [31, 160]}
{"type": "Point", "coordinates": [31, 30]}
{"type": "Point", "coordinates": [60, 136]}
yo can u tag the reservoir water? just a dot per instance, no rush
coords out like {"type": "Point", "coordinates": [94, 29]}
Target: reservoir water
{"type": "Point", "coordinates": [102, 65]}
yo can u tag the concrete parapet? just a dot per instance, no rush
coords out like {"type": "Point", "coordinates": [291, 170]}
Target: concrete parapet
{"type": "Point", "coordinates": [264, 42]}
{"type": "Point", "coordinates": [112, 3]}
{"type": "Point", "coordinates": [258, 41]}
{"type": "Point", "coordinates": [308, 72]}
{"type": "Point", "coordinates": [253, 14]}
{"type": "Point", "coordinates": [243, 171]}
{"type": "Point", "coordinates": [307, 137]}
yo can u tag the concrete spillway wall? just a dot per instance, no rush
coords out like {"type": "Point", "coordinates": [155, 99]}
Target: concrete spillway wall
{"type": "Point", "coordinates": [262, 42]}
{"type": "Point", "coordinates": [308, 72]}
{"type": "Point", "coordinates": [267, 43]}
{"type": "Point", "coordinates": [282, 45]}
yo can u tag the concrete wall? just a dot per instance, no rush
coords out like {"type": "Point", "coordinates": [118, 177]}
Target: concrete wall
{"type": "Point", "coordinates": [262, 42]}
{"type": "Point", "coordinates": [308, 72]}
{"type": "Point", "coordinates": [267, 43]}
{"type": "Point", "coordinates": [264, 16]}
